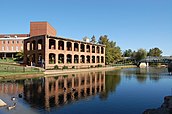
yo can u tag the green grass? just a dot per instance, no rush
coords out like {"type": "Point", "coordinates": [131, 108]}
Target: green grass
{"type": "Point", "coordinates": [7, 69]}
{"type": "Point", "coordinates": [7, 60]}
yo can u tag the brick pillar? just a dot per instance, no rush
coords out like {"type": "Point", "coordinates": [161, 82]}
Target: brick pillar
{"type": "Point", "coordinates": [72, 46]}
{"type": "Point", "coordinates": [46, 52]}
{"type": "Point", "coordinates": [56, 44]}
{"type": "Point", "coordinates": [65, 48]}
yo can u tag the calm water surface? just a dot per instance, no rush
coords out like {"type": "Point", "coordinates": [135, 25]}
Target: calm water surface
{"type": "Point", "coordinates": [126, 91]}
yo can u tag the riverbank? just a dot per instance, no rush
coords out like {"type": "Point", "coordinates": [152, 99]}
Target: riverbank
{"type": "Point", "coordinates": [23, 75]}
{"type": "Point", "coordinates": [66, 71]}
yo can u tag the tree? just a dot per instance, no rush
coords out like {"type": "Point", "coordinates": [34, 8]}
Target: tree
{"type": "Point", "coordinates": [19, 56]}
{"type": "Point", "coordinates": [127, 53]}
{"type": "Point", "coordinates": [155, 52]}
{"type": "Point", "coordinates": [140, 54]}
{"type": "Point", "coordinates": [112, 52]}
{"type": "Point", "coordinates": [93, 39]}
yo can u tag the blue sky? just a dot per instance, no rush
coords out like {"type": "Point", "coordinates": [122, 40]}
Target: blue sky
{"type": "Point", "coordinates": [133, 24]}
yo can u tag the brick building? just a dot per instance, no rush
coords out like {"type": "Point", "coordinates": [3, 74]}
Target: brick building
{"type": "Point", "coordinates": [45, 49]}
{"type": "Point", "coordinates": [10, 44]}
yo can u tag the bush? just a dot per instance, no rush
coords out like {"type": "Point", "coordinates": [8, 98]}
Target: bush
{"type": "Point", "coordinates": [65, 67]}
{"type": "Point", "coordinates": [99, 65]}
{"type": "Point", "coordinates": [56, 67]}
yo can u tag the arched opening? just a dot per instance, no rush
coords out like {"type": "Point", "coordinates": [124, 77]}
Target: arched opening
{"type": "Point", "coordinates": [39, 44]}
{"type": "Point", "coordinates": [33, 60]}
{"type": "Point", "coordinates": [52, 58]}
{"type": "Point", "coordinates": [98, 59]}
{"type": "Point", "coordinates": [82, 48]}
{"type": "Point", "coordinates": [76, 47]}
{"type": "Point", "coordinates": [61, 45]}
{"type": "Point", "coordinates": [69, 58]}
{"type": "Point", "coordinates": [102, 50]}
{"type": "Point", "coordinates": [69, 46]}
{"type": "Point", "coordinates": [88, 48]}
{"type": "Point", "coordinates": [33, 45]}
{"type": "Point", "coordinates": [93, 49]}
{"type": "Point", "coordinates": [82, 60]}
{"type": "Point", "coordinates": [102, 59]}
{"type": "Point", "coordinates": [98, 49]}
{"type": "Point", "coordinates": [88, 59]}
{"type": "Point", "coordinates": [61, 58]}
{"type": "Point", "coordinates": [52, 44]}
{"type": "Point", "coordinates": [93, 59]}
{"type": "Point", "coordinates": [76, 58]}
{"type": "Point", "coordinates": [40, 59]}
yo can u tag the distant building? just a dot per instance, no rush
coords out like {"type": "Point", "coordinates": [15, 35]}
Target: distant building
{"type": "Point", "coordinates": [10, 44]}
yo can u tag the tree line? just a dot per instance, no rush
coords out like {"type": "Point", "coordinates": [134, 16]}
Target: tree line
{"type": "Point", "coordinates": [113, 53]}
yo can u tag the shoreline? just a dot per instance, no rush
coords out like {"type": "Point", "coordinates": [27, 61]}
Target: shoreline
{"type": "Point", "coordinates": [48, 73]}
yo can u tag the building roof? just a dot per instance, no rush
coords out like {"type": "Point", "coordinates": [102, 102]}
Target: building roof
{"type": "Point", "coordinates": [13, 35]}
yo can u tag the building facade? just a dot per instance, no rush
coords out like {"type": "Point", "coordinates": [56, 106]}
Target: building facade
{"type": "Point", "coordinates": [47, 51]}
{"type": "Point", "coordinates": [10, 44]}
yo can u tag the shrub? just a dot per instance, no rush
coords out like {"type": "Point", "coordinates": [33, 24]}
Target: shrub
{"type": "Point", "coordinates": [99, 65]}
{"type": "Point", "coordinates": [56, 67]}
{"type": "Point", "coordinates": [65, 67]}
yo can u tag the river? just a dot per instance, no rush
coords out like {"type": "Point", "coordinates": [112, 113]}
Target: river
{"type": "Point", "coordinates": [124, 91]}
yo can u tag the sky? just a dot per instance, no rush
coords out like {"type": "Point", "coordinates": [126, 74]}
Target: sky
{"type": "Point", "coordinates": [132, 24]}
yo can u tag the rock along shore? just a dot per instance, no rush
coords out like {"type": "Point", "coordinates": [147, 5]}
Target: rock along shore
{"type": "Point", "coordinates": [166, 107]}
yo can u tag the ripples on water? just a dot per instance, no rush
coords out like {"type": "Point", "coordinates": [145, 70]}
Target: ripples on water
{"type": "Point", "coordinates": [120, 91]}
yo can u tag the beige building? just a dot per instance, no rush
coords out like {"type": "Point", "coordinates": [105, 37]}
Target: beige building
{"type": "Point", "coordinates": [10, 44]}
{"type": "Point", "coordinates": [48, 50]}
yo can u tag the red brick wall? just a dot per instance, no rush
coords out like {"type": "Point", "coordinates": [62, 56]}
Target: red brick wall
{"type": "Point", "coordinates": [41, 28]}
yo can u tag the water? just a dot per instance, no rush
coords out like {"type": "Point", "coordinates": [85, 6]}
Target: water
{"type": "Point", "coordinates": [125, 91]}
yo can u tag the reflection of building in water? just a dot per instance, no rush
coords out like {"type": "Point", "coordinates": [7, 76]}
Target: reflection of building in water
{"type": "Point", "coordinates": [10, 88]}
{"type": "Point", "coordinates": [65, 89]}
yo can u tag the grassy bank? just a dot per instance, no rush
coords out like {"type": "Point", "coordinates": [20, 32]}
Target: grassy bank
{"type": "Point", "coordinates": [7, 69]}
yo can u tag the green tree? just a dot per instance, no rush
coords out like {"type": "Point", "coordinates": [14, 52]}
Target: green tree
{"type": "Point", "coordinates": [19, 56]}
{"type": "Point", "coordinates": [127, 53]}
{"type": "Point", "coordinates": [155, 52]}
{"type": "Point", "coordinates": [140, 54]}
{"type": "Point", "coordinates": [93, 39]}
{"type": "Point", "coordinates": [112, 52]}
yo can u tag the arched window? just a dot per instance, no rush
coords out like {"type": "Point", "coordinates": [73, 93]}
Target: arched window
{"type": "Point", "coordinates": [82, 59]}
{"type": "Point", "coordinates": [88, 48]}
{"type": "Point", "coordinates": [61, 58]}
{"type": "Point", "coordinates": [82, 48]}
{"type": "Point", "coordinates": [52, 58]}
{"type": "Point", "coordinates": [52, 44]}
{"type": "Point", "coordinates": [69, 46]}
{"type": "Point", "coordinates": [69, 58]}
{"type": "Point", "coordinates": [88, 59]}
{"type": "Point", "coordinates": [76, 58]}
{"type": "Point", "coordinates": [61, 45]}
{"type": "Point", "coordinates": [93, 59]}
{"type": "Point", "coordinates": [76, 47]}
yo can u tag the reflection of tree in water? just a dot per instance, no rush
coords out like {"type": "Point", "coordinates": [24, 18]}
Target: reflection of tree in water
{"type": "Point", "coordinates": [112, 80]}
